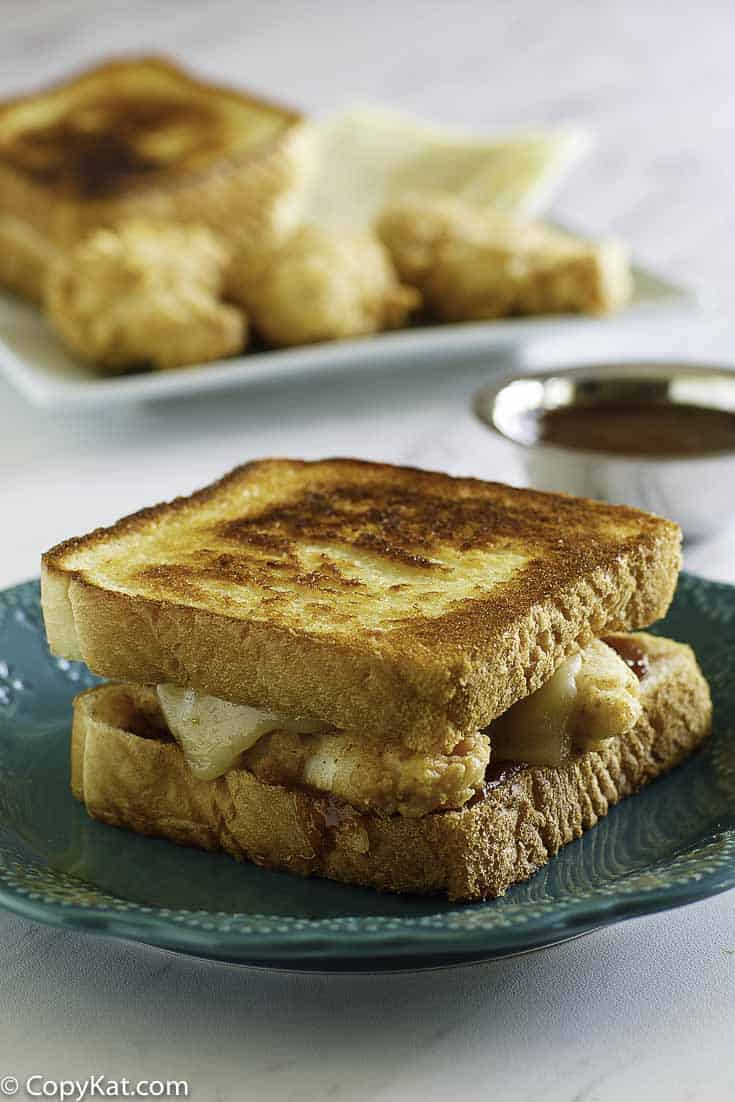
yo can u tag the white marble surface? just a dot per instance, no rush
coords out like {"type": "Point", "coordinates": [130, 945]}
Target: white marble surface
{"type": "Point", "coordinates": [643, 1007]}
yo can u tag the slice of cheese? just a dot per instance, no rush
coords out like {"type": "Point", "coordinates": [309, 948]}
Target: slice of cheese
{"type": "Point", "coordinates": [537, 729]}
{"type": "Point", "coordinates": [212, 733]}
{"type": "Point", "coordinates": [371, 156]}
{"type": "Point", "coordinates": [593, 697]}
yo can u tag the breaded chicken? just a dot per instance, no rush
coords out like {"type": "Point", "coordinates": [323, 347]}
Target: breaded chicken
{"type": "Point", "coordinates": [473, 263]}
{"type": "Point", "coordinates": [321, 286]}
{"type": "Point", "coordinates": [594, 696]}
{"type": "Point", "coordinates": [144, 293]}
{"type": "Point", "coordinates": [386, 778]}
{"type": "Point", "coordinates": [608, 697]}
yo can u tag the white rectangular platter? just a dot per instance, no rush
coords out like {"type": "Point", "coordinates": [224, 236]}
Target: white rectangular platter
{"type": "Point", "coordinates": [34, 361]}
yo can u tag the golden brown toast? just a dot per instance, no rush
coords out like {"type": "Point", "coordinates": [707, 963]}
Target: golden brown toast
{"type": "Point", "coordinates": [139, 137]}
{"type": "Point", "coordinates": [375, 598]}
{"type": "Point", "coordinates": [128, 772]}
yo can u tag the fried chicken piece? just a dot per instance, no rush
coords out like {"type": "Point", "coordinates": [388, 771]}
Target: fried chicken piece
{"type": "Point", "coordinates": [371, 775]}
{"type": "Point", "coordinates": [608, 697]}
{"type": "Point", "coordinates": [593, 697]}
{"type": "Point", "coordinates": [321, 286]}
{"type": "Point", "coordinates": [473, 263]}
{"type": "Point", "coordinates": [144, 293]}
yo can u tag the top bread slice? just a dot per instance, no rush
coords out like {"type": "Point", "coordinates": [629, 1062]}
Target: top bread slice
{"type": "Point", "coordinates": [139, 137]}
{"type": "Point", "coordinates": [390, 600]}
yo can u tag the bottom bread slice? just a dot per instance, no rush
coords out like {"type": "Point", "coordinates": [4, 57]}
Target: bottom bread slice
{"type": "Point", "coordinates": [128, 772]}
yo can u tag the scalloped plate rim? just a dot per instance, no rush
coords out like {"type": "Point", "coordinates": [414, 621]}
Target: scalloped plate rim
{"type": "Point", "coordinates": [257, 946]}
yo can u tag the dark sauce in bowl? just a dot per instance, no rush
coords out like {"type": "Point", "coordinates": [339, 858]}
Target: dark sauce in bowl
{"type": "Point", "coordinates": [637, 428]}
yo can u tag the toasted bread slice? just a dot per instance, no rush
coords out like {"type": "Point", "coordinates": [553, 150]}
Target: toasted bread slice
{"type": "Point", "coordinates": [141, 138]}
{"type": "Point", "coordinates": [371, 597]}
{"type": "Point", "coordinates": [128, 772]}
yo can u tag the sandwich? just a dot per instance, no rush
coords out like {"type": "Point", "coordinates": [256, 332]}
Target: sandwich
{"type": "Point", "coordinates": [374, 674]}
{"type": "Point", "coordinates": [140, 138]}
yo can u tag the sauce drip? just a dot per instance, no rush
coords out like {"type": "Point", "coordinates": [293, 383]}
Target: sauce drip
{"type": "Point", "coordinates": [631, 653]}
{"type": "Point", "coordinates": [335, 812]}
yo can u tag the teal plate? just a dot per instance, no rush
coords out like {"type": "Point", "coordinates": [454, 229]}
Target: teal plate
{"type": "Point", "coordinates": [672, 844]}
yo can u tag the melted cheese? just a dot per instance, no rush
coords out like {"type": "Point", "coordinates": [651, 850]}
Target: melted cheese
{"type": "Point", "coordinates": [212, 733]}
{"type": "Point", "coordinates": [537, 729]}
{"type": "Point", "coordinates": [371, 156]}
{"type": "Point", "coordinates": [591, 698]}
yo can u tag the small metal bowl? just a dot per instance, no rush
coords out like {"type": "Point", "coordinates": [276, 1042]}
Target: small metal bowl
{"type": "Point", "coordinates": [696, 490]}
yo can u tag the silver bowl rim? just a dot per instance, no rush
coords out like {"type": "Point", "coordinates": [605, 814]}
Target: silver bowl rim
{"type": "Point", "coordinates": [484, 398]}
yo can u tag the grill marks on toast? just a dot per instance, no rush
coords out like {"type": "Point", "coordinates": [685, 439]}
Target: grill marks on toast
{"type": "Point", "coordinates": [376, 554]}
{"type": "Point", "coordinates": [129, 123]}
{"type": "Point", "coordinates": [320, 586]}
{"type": "Point", "coordinates": [389, 523]}
{"type": "Point", "coordinates": [408, 523]}
{"type": "Point", "coordinates": [94, 151]}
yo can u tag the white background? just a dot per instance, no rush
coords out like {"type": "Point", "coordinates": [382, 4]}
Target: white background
{"type": "Point", "coordinates": [643, 1007]}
